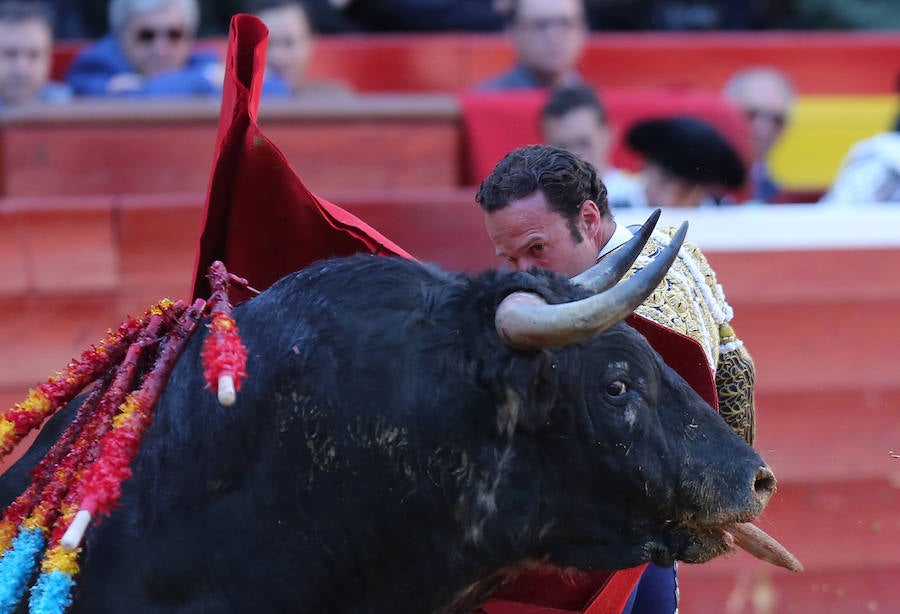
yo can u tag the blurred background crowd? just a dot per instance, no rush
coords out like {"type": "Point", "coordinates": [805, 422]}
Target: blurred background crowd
{"type": "Point", "coordinates": [156, 48]}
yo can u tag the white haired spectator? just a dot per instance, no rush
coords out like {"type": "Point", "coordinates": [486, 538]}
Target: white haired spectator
{"type": "Point", "coordinates": [148, 52]}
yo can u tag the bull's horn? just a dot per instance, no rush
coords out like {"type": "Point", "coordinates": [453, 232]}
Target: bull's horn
{"type": "Point", "coordinates": [526, 322]}
{"type": "Point", "coordinates": [608, 271]}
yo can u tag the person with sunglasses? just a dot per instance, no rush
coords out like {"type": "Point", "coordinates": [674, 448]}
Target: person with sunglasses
{"type": "Point", "coordinates": [149, 52]}
{"type": "Point", "coordinates": [766, 95]}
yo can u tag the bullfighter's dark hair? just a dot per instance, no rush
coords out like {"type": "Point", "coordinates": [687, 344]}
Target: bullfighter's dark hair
{"type": "Point", "coordinates": [565, 179]}
{"type": "Point", "coordinates": [564, 100]}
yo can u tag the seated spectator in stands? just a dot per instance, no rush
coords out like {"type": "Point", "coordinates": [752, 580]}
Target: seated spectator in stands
{"type": "Point", "coordinates": [870, 172]}
{"type": "Point", "coordinates": [291, 41]}
{"type": "Point", "coordinates": [766, 95]}
{"type": "Point", "coordinates": [549, 37]}
{"type": "Point", "coordinates": [687, 162]}
{"type": "Point", "coordinates": [574, 119]}
{"type": "Point", "coordinates": [26, 51]}
{"type": "Point", "coordinates": [148, 53]}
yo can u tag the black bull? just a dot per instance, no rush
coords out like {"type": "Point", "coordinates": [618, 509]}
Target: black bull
{"type": "Point", "coordinates": [390, 453]}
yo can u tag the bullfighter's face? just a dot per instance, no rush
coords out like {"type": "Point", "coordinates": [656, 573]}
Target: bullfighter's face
{"type": "Point", "coordinates": [527, 233]}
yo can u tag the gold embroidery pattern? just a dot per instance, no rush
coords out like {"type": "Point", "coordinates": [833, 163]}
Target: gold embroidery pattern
{"type": "Point", "coordinates": [735, 377]}
{"type": "Point", "coordinates": [690, 301]}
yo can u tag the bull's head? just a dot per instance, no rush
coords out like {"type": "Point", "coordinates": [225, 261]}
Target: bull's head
{"type": "Point", "coordinates": [687, 487]}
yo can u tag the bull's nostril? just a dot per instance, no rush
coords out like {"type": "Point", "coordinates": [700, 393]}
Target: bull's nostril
{"type": "Point", "coordinates": [764, 484]}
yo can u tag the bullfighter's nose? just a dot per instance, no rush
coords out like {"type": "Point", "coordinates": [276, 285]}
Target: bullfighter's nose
{"type": "Point", "coordinates": [764, 485]}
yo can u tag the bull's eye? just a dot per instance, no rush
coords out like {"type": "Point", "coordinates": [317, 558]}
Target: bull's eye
{"type": "Point", "coordinates": [616, 388]}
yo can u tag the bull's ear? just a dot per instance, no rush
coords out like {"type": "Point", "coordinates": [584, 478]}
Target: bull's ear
{"type": "Point", "coordinates": [531, 409]}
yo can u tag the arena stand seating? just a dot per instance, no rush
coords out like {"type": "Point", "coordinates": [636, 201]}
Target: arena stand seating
{"type": "Point", "coordinates": [846, 80]}
{"type": "Point", "coordinates": [100, 207]}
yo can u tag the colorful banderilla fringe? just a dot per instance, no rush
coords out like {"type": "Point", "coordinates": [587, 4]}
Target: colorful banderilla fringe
{"type": "Point", "coordinates": [82, 473]}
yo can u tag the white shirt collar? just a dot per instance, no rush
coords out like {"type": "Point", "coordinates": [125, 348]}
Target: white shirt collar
{"type": "Point", "coordinates": [620, 236]}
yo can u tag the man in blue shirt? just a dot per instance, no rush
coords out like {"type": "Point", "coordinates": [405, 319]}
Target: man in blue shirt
{"type": "Point", "coordinates": [149, 53]}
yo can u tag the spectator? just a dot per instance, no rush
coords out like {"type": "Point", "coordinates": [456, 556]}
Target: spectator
{"type": "Point", "coordinates": [870, 172]}
{"type": "Point", "coordinates": [291, 42]}
{"type": "Point", "coordinates": [147, 53]}
{"type": "Point", "coordinates": [26, 53]}
{"type": "Point", "coordinates": [687, 162]}
{"type": "Point", "coordinates": [574, 119]}
{"type": "Point", "coordinates": [548, 36]}
{"type": "Point", "coordinates": [546, 207]}
{"type": "Point", "coordinates": [766, 95]}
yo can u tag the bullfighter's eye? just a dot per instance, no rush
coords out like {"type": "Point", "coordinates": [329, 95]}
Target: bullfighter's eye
{"type": "Point", "coordinates": [616, 388]}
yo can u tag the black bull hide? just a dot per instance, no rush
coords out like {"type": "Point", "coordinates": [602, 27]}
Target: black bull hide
{"type": "Point", "coordinates": [388, 453]}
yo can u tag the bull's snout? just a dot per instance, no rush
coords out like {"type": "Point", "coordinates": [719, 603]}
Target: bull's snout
{"type": "Point", "coordinates": [764, 484]}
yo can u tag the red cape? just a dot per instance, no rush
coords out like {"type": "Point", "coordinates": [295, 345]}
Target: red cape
{"type": "Point", "coordinates": [259, 218]}
{"type": "Point", "coordinates": [263, 223]}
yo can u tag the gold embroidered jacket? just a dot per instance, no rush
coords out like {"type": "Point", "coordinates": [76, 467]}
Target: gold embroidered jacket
{"type": "Point", "coordinates": [691, 301]}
